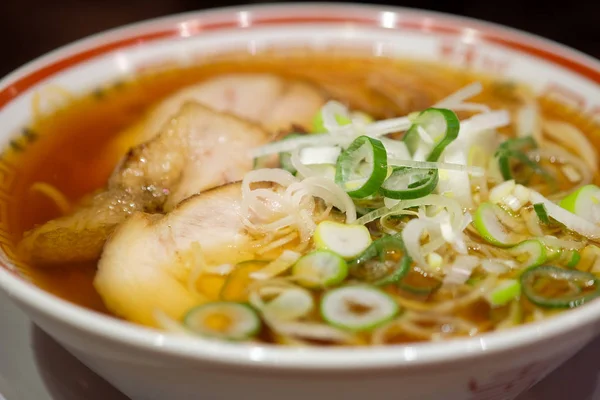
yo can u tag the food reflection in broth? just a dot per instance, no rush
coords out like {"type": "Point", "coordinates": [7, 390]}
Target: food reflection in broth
{"type": "Point", "coordinates": [313, 200]}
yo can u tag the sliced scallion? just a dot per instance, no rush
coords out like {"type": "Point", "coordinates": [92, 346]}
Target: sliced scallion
{"type": "Point", "coordinates": [223, 320]}
{"type": "Point", "coordinates": [491, 229]}
{"type": "Point", "coordinates": [542, 214]}
{"type": "Point", "coordinates": [584, 202]}
{"type": "Point", "coordinates": [358, 308]}
{"type": "Point", "coordinates": [287, 305]}
{"type": "Point", "coordinates": [362, 167]}
{"type": "Point", "coordinates": [319, 269]}
{"type": "Point", "coordinates": [514, 151]}
{"type": "Point", "coordinates": [285, 159]}
{"type": "Point", "coordinates": [553, 253]}
{"type": "Point", "coordinates": [318, 125]}
{"type": "Point", "coordinates": [346, 240]}
{"type": "Point", "coordinates": [511, 148]}
{"type": "Point", "coordinates": [571, 221]}
{"type": "Point", "coordinates": [553, 287]}
{"type": "Point", "coordinates": [432, 131]}
{"type": "Point", "coordinates": [572, 258]}
{"type": "Point", "coordinates": [384, 262]}
{"type": "Point", "coordinates": [530, 253]}
{"type": "Point", "coordinates": [409, 183]}
{"type": "Point", "coordinates": [506, 291]}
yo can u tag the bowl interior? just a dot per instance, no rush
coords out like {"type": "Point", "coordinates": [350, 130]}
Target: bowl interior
{"type": "Point", "coordinates": [45, 84]}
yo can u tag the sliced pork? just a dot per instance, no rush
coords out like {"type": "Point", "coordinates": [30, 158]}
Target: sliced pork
{"type": "Point", "coordinates": [144, 265]}
{"type": "Point", "coordinates": [197, 150]}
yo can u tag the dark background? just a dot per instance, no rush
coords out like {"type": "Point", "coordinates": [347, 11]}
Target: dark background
{"type": "Point", "coordinates": [29, 28]}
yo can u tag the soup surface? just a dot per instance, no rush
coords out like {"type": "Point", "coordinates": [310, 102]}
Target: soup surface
{"type": "Point", "coordinates": [408, 219]}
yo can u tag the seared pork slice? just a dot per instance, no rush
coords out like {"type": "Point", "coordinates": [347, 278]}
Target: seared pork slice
{"type": "Point", "coordinates": [276, 103]}
{"type": "Point", "coordinates": [197, 150]}
{"type": "Point", "coordinates": [144, 265]}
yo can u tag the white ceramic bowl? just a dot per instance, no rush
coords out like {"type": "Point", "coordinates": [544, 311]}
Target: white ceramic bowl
{"type": "Point", "coordinates": [150, 365]}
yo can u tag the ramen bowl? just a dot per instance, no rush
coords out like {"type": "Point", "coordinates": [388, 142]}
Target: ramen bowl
{"type": "Point", "coordinates": [150, 365]}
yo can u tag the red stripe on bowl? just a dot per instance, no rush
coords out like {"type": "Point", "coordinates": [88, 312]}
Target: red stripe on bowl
{"type": "Point", "coordinates": [430, 24]}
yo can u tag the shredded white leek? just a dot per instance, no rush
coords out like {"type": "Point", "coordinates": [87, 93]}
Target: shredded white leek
{"type": "Point", "coordinates": [330, 112]}
{"type": "Point", "coordinates": [286, 303]}
{"type": "Point", "coordinates": [387, 126]}
{"type": "Point", "coordinates": [570, 220]}
{"type": "Point", "coordinates": [477, 171]}
{"type": "Point", "coordinates": [460, 270]}
{"type": "Point", "coordinates": [553, 241]}
{"type": "Point", "coordinates": [412, 234]}
{"type": "Point", "coordinates": [305, 141]}
{"type": "Point", "coordinates": [278, 266]}
{"type": "Point", "coordinates": [484, 122]}
{"type": "Point", "coordinates": [473, 107]}
{"type": "Point", "coordinates": [460, 95]}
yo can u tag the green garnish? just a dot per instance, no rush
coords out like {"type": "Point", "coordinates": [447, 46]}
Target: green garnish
{"type": "Point", "coordinates": [384, 262]}
{"type": "Point", "coordinates": [530, 253]}
{"type": "Point", "coordinates": [358, 308]}
{"type": "Point", "coordinates": [583, 202]}
{"type": "Point", "coordinates": [506, 291]}
{"type": "Point", "coordinates": [553, 287]}
{"type": "Point", "coordinates": [362, 167]}
{"type": "Point", "coordinates": [409, 183]}
{"type": "Point", "coordinates": [542, 214]}
{"type": "Point", "coordinates": [491, 229]}
{"type": "Point", "coordinates": [320, 269]}
{"type": "Point", "coordinates": [573, 257]}
{"type": "Point", "coordinates": [348, 241]}
{"type": "Point", "coordinates": [319, 127]}
{"type": "Point", "coordinates": [224, 320]}
{"type": "Point", "coordinates": [285, 159]}
{"type": "Point", "coordinates": [513, 152]}
{"type": "Point", "coordinates": [440, 126]}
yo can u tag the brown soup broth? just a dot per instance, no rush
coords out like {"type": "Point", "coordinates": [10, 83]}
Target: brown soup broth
{"type": "Point", "coordinates": [76, 148]}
